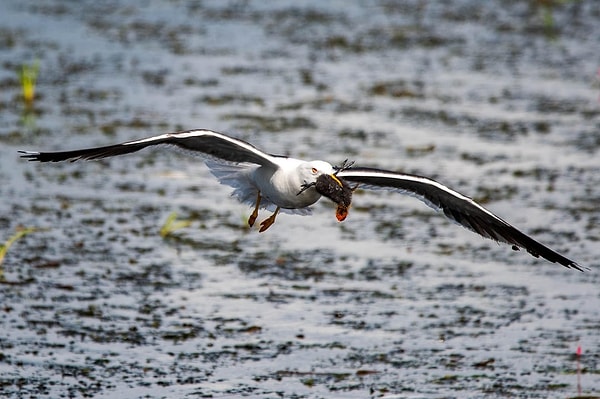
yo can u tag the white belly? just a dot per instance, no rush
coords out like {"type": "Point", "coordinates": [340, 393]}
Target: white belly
{"type": "Point", "coordinates": [282, 188]}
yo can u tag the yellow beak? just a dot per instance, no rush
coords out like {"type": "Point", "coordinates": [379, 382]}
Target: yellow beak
{"type": "Point", "coordinates": [334, 177]}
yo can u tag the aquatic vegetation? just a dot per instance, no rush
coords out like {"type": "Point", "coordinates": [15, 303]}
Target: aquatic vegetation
{"type": "Point", "coordinates": [28, 77]}
{"type": "Point", "coordinates": [172, 224]}
{"type": "Point", "coordinates": [546, 9]}
{"type": "Point", "coordinates": [21, 232]}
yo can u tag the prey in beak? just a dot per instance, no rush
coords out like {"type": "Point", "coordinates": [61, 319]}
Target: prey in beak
{"type": "Point", "coordinates": [336, 190]}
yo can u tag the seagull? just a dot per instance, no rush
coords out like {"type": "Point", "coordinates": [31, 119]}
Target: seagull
{"type": "Point", "coordinates": [283, 184]}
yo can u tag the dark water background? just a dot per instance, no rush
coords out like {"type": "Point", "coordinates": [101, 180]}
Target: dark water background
{"type": "Point", "coordinates": [498, 99]}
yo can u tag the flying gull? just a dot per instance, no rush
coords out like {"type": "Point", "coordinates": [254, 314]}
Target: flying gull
{"type": "Point", "coordinates": [280, 183]}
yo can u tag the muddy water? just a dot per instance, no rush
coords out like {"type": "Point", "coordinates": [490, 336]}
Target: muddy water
{"type": "Point", "coordinates": [497, 99]}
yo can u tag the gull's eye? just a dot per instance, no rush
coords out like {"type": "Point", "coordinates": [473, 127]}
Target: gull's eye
{"type": "Point", "coordinates": [314, 171]}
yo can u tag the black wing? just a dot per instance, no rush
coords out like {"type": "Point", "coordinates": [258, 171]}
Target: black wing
{"type": "Point", "coordinates": [455, 206]}
{"type": "Point", "coordinates": [207, 142]}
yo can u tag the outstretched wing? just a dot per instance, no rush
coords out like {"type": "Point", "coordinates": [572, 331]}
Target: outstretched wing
{"type": "Point", "coordinates": [207, 142]}
{"type": "Point", "coordinates": [455, 206]}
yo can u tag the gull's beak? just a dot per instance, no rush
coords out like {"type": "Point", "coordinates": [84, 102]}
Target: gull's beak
{"type": "Point", "coordinates": [334, 177]}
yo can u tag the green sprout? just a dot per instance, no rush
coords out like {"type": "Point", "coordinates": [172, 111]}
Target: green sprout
{"type": "Point", "coordinates": [172, 224]}
{"type": "Point", "coordinates": [547, 8]}
{"type": "Point", "coordinates": [21, 232]}
{"type": "Point", "coordinates": [28, 78]}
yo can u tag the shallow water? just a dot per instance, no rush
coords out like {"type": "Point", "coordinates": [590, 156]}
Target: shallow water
{"type": "Point", "coordinates": [499, 100]}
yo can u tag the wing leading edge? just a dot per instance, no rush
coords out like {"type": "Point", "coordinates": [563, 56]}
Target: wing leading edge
{"type": "Point", "coordinates": [461, 209]}
{"type": "Point", "coordinates": [207, 142]}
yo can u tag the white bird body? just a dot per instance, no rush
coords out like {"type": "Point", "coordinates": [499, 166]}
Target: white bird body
{"type": "Point", "coordinates": [288, 178]}
{"type": "Point", "coordinates": [280, 183]}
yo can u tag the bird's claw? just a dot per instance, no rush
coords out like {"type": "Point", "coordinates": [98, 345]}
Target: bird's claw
{"type": "Point", "coordinates": [265, 224]}
{"type": "Point", "coordinates": [268, 222]}
{"type": "Point", "coordinates": [252, 219]}
{"type": "Point", "coordinates": [345, 165]}
{"type": "Point", "coordinates": [305, 186]}
{"type": "Point", "coordinates": [254, 214]}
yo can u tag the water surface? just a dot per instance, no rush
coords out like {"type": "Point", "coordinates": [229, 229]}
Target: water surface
{"type": "Point", "coordinates": [499, 100]}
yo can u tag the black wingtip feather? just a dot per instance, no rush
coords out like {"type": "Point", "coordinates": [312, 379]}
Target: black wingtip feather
{"type": "Point", "coordinates": [459, 208]}
{"type": "Point", "coordinates": [87, 154]}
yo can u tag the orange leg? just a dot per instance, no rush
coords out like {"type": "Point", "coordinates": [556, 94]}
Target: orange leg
{"type": "Point", "coordinates": [254, 215]}
{"type": "Point", "coordinates": [265, 224]}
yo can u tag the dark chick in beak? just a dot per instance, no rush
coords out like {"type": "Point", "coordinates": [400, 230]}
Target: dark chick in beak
{"type": "Point", "coordinates": [336, 190]}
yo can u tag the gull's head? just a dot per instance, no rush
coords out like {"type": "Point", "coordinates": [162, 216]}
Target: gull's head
{"type": "Point", "coordinates": [321, 177]}
{"type": "Point", "coordinates": [310, 171]}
